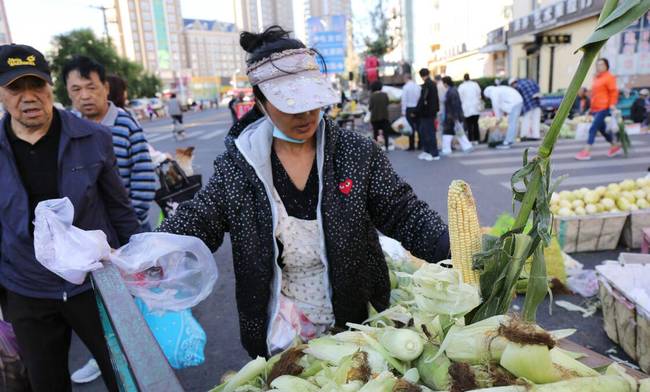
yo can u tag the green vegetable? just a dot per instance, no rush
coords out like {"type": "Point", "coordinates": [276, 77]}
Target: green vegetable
{"type": "Point", "coordinates": [248, 373]}
{"type": "Point", "coordinates": [329, 349]}
{"type": "Point", "coordinates": [475, 343]}
{"type": "Point", "coordinates": [433, 368]}
{"type": "Point", "coordinates": [384, 382]}
{"type": "Point", "coordinates": [292, 383]}
{"type": "Point", "coordinates": [440, 291]}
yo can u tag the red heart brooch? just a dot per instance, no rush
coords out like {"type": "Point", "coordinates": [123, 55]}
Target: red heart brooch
{"type": "Point", "coordinates": [345, 186]}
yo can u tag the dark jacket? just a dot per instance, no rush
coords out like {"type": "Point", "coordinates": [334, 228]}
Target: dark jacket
{"type": "Point", "coordinates": [88, 176]}
{"type": "Point", "coordinates": [638, 112]}
{"type": "Point", "coordinates": [428, 104]}
{"type": "Point", "coordinates": [360, 194]}
{"type": "Point", "coordinates": [453, 106]}
{"type": "Point", "coordinates": [378, 105]}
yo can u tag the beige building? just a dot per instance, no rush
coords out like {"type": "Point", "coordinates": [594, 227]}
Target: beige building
{"type": "Point", "coordinates": [5, 34]}
{"type": "Point", "coordinates": [214, 56]}
{"type": "Point", "coordinates": [463, 28]}
{"type": "Point", "coordinates": [257, 15]}
{"type": "Point", "coordinates": [543, 37]}
{"type": "Point", "coordinates": [150, 33]}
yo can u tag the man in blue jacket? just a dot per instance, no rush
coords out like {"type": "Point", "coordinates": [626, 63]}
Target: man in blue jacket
{"type": "Point", "coordinates": [47, 153]}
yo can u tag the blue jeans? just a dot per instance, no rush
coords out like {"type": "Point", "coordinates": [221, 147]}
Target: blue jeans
{"type": "Point", "coordinates": [427, 127]}
{"type": "Point", "coordinates": [599, 125]}
{"type": "Point", "coordinates": [513, 122]}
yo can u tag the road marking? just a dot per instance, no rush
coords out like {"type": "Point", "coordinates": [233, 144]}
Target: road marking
{"type": "Point", "coordinates": [519, 149]}
{"type": "Point", "coordinates": [213, 134]}
{"type": "Point", "coordinates": [603, 179]}
{"type": "Point", "coordinates": [571, 165]}
{"type": "Point", "coordinates": [161, 137]}
{"type": "Point", "coordinates": [518, 159]}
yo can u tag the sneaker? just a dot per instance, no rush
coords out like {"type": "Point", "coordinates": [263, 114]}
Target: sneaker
{"type": "Point", "coordinates": [504, 146]}
{"type": "Point", "coordinates": [435, 157]}
{"type": "Point", "coordinates": [445, 153]}
{"type": "Point", "coordinates": [614, 151]}
{"type": "Point", "coordinates": [422, 155]}
{"type": "Point", "coordinates": [467, 151]}
{"type": "Point", "coordinates": [583, 155]}
{"type": "Point", "coordinates": [428, 157]}
{"type": "Point", "coordinates": [89, 372]}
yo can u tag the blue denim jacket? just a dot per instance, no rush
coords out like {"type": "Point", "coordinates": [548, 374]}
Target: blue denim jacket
{"type": "Point", "coordinates": [88, 176]}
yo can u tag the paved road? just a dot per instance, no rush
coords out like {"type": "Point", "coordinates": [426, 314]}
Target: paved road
{"type": "Point", "coordinates": [488, 171]}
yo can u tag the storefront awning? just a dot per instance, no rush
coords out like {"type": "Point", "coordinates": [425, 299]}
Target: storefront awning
{"type": "Point", "coordinates": [494, 48]}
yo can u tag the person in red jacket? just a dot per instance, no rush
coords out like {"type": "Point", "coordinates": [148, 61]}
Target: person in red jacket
{"type": "Point", "coordinates": [604, 97]}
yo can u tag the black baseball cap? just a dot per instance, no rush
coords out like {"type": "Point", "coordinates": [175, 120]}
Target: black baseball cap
{"type": "Point", "coordinates": [17, 61]}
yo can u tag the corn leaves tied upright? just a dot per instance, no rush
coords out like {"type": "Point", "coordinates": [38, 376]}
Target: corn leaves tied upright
{"type": "Point", "coordinates": [503, 259]}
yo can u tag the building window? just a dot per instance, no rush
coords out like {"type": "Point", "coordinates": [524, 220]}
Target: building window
{"type": "Point", "coordinates": [148, 36]}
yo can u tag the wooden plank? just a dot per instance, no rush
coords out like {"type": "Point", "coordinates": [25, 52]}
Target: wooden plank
{"type": "Point", "coordinates": [595, 360]}
{"type": "Point", "coordinates": [146, 361]}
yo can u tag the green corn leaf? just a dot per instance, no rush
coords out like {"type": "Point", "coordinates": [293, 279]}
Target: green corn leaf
{"type": "Point", "coordinates": [537, 285]}
{"type": "Point", "coordinates": [622, 16]}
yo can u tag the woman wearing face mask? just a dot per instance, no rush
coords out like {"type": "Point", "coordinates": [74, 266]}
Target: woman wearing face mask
{"type": "Point", "coordinates": [303, 201]}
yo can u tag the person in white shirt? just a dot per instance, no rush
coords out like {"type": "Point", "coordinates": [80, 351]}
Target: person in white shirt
{"type": "Point", "coordinates": [470, 98]}
{"type": "Point", "coordinates": [506, 100]}
{"type": "Point", "coordinates": [410, 96]}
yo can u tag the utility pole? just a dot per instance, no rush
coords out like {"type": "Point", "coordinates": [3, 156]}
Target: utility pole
{"type": "Point", "coordinates": [103, 9]}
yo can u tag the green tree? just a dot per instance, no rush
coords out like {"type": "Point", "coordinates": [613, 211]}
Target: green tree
{"type": "Point", "coordinates": [383, 42]}
{"type": "Point", "coordinates": [85, 42]}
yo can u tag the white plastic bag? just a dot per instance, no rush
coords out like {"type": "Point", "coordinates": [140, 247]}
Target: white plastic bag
{"type": "Point", "coordinates": [62, 248]}
{"type": "Point", "coordinates": [167, 271]}
{"type": "Point", "coordinates": [402, 126]}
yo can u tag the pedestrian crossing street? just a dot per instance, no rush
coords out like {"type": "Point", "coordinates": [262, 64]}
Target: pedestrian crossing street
{"type": "Point", "coordinates": [499, 165]}
{"type": "Point", "coordinates": [192, 134]}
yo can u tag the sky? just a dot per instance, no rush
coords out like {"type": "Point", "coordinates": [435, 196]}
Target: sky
{"type": "Point", "coordinates": [35, 22]}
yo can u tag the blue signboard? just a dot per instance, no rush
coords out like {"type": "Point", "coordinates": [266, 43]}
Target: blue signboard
{"type": "Point", "coordinates": [328, 36]}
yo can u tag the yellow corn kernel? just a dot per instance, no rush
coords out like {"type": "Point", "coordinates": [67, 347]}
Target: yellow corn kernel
{"type": "Point", "coordinates": [464, 230]}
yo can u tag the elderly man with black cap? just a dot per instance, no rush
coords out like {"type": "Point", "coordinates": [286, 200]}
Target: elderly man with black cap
{"type": "Point", "coordinates": [46, 153]}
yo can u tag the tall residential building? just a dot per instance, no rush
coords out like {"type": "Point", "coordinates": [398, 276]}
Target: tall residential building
{"type": "Point", "coordinates": [5, 34]}
{"type": "Point", "coordinates": [149, 32]}
{"type": "Point", "coordinates": [256, 15]}
{"type": "Point", "coordinates": [214, 56]}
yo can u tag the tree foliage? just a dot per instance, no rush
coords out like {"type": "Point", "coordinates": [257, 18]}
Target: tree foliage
{"type": "Point", "coordinates": [383, 42]}
{"type": "Point", "coordinates": [85, 42]}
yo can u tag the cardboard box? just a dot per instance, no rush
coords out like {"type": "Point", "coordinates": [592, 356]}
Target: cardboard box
{"type": "Point", "coordinates": [588, 233]}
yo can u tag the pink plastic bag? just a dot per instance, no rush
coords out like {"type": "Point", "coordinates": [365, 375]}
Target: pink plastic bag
{"type": "Point", "coordinates": [13, 375]}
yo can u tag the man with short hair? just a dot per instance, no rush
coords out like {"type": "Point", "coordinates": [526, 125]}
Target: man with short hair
{"type": "Point", "coordinates": [410, 97]}
{"type": "Point", "coordinates": [427, 110]}
{"type": "Point", "coordinates": [87, 86]}
{"type": "Point", "coordinates": [531, 111]}
{"type": "Point", "coordinates": [470, 97]}
{"type": "Point", "coordinates": [46, 153]}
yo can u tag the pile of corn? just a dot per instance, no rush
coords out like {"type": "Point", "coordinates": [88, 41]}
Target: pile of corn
{"type": "Point", "coordinates": [421, 343]}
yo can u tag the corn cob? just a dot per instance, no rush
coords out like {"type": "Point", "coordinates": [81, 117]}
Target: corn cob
{"type": "Point", "coordinates": [464, 230]}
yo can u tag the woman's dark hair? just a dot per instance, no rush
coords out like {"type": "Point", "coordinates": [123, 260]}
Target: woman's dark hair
{"type": "Point", "coordinates": [116, 89]}
{"type": "Point", "coordinates": [376, 86]}
{"type": "Point", "coordinates": [604, 60]}
{"type": "Point", "coordinates": [259, 46]}
{"type": "Point", "coordinates": [447, 81]}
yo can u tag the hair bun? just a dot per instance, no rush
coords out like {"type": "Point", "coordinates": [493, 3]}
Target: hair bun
{"type": "Point", "coordinates": [250, 42]}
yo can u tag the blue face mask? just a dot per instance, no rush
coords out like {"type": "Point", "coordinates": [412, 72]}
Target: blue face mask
{"type": "Point", "coordinates": [277, 133]}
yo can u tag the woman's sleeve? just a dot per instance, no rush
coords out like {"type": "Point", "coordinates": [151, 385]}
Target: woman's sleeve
{"type": "Point", "coordinates": [397, 212]}
{"type": "Point", "coordinates": [204, 216]}
{"type": "Point", "coordinates": [613, 92]}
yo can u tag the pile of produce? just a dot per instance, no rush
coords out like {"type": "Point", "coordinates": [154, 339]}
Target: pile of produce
{"type": "Point", "coordinates": [628, 195]}
{"type": "Point", "coordinates": [422, 342]}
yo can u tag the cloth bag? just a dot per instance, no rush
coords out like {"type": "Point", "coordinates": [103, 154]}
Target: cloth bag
{"type": "Point", "coordinates": [63, 248]}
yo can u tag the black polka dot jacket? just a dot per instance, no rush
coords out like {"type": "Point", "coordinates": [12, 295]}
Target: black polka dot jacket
{"type": "Point", "coordinates": [360, 194]}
